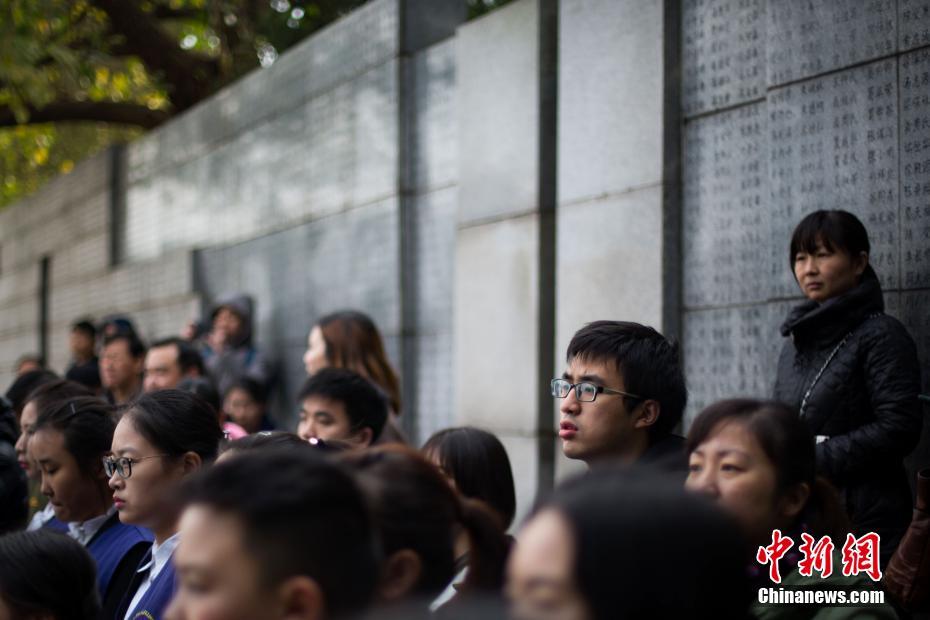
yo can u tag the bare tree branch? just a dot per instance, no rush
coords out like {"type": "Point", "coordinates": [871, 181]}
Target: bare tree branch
{"type": "Point", "coordinates": [102, 111]}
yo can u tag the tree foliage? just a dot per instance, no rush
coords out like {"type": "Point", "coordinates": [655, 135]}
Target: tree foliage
{"type": "Point", "coordinates": [77, 75]}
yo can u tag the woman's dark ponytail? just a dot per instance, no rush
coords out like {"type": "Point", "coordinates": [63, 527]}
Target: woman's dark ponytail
{"type": "Point", "coordinates": [488, 547]}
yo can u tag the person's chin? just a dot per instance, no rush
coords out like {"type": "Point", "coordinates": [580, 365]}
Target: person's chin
{"type": "Point", "coordinates": [572, 449]}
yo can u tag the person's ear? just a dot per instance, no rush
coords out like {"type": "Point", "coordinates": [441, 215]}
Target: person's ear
{"type": "Point", "coordinates": [793, 501]}
{"type": "Point", "coordinates": [860, 263]}
{"type": "Point", "coordinates": [301, 598]}
{"type": "Point", "coordinates": [646, 414]}
{"type": "Point", "coordinates": [138, 365]}
{"type": "Point", "coordinates": [363, 437]}
{"type": "Point", "coordinates": [399, 575]}
{"type": "Point", "coordinates": [191, 462]}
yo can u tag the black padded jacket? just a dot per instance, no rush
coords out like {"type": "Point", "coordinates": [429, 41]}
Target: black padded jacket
{"type": "Point", "coordinates": [865, 402]}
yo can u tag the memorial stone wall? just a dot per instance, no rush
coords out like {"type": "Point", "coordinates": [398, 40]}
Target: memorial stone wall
{"type": "Point", "coordinates": [792, 106]}
{"type": "Point", "coordinates": [483, 189]}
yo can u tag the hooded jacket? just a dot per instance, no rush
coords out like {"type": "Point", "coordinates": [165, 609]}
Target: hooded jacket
{"type": "Point", "coordinates": [240, 358]}
{"type": "Point", "coordinates": [865, 402]}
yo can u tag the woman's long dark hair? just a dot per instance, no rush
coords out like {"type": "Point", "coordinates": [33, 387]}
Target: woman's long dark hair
{"type": "Point", "coordinates": [477, 461]}
{"type": "Point", "coordinates": [354, 342]}
{"type": "Point", "coordinates": [789, 445]}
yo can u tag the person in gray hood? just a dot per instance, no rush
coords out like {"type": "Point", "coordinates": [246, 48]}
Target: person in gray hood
{"type": "Point", "coordinates": [227, 348]}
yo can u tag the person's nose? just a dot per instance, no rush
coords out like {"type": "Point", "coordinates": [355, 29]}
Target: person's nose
{"type": "Point", "coordinates": [45, 488]}
{"type": "Point", "coordinates": [809, 266]}
{"type": "Point", "coordinates": [570, 404]}
{"type": "Point", "coordinates": [115, 481]}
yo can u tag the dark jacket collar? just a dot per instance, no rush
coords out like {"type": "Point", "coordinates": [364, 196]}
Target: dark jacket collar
{"type": "Point", "coordinates": [667, 454]}
{"type": "Point", "coordinates": [831, 320]}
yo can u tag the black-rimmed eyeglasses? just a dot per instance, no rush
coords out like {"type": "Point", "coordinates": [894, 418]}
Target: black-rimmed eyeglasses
{"type": "Point", "coordinates": [585, 392]}
{"type": "Point", "coordinates": [123, 465]}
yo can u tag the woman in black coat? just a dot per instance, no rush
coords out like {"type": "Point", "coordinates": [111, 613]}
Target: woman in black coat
{"type": "Point", "coordinates": [851, 372]}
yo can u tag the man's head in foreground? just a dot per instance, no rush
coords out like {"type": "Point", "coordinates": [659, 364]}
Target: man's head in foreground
{"type": "Point", "coordinates": [282, 533]}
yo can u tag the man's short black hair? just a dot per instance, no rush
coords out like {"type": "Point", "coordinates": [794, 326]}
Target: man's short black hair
{"type": "Point", "coordinates": [301, 514]}
{"type": "Point", "coordinates": [365, 405]}
{"type": "Point", "coordinates": [188, 357]}
{"type": "Point", "coordinates": [648, 362]}
{"type": "Point", "coordinates": [133, 343]}
{"type": "Point", "coordinates": [85, 326]}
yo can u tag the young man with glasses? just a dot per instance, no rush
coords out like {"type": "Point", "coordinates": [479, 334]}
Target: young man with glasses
{"type": "Point", "coordinates": [623, 392]}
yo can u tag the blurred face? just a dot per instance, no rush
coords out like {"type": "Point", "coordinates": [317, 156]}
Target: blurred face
{"type": "Point", "coordinates": [595, 430]}
{"type": "Point", "coordinates": [217, 578]}
{"type": "Point", "coordinates": [82, 344]}
{"type": "Point", "coordinates": [315, 357]}
{"type": "Point", "coordinates": [74, 495]}
{"type": "Point", "coordinates": [731, 468]}
{"type": "Point", "coordinates": [825, 274]}
{"type": "Point", "coordinates": [118, 368]}
{"type": "Point", "coordinates": [26, 422]}
{"type": "Point", "coordinates": [140, 498]}
{"type": "Point", "coordinates": [227, 323]}
{"type": "Point", "coordinates": [243, 410]}
{"type": "Point", "coordinates": [326, 419]}
{"type": "Point", "coordinates": [540, 573]}
{"type": "Point", "coordinates": [162, 371]}
{"type": "Point", "coordinates": [27, 366]}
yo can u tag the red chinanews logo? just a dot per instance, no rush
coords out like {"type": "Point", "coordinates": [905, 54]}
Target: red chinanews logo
{"type": "Point", "coordinates": [860, 555]}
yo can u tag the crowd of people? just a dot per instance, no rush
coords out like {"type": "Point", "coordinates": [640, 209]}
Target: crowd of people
{"type": "Point", "coordinates": [151, 482]}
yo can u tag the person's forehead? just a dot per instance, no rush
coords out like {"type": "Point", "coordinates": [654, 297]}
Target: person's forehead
{"type": "Point", "coordinates": [126, 437]}
{"type": "Point", "coordinates": [47, 439]}
{"type": "Point", "coordinates": [120, 345]}
{"type": "Point", "coordinates": [545, 547]}
{"type": "Point", "coordinates": [581, 365]}
{"type": "Point", "coordinates": [167, 354]}
{"type": "Point", "coordinates": [227, 312]}
{"type": "Point", "coordinates": [29, 415]}
{"type": "Point", "coordinates": [210, 538]}
{"type": "Point", "coordinates": [318, 402]}
{"type": "Point", "coordinates": [732, 437]}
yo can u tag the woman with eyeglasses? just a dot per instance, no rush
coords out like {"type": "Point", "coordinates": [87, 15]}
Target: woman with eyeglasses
{"type": "Point", "coordinates": [67, 442]}
{"type": "Point", "coordinates": [162, 439]}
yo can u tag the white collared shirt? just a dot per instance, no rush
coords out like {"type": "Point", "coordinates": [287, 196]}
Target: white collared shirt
{"type": "Point", "coordinates": [83, 532]}
{"type": "Point", "coordinates": [161, 555]}
{"type": "Point", "coordinates": [42, 517]}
